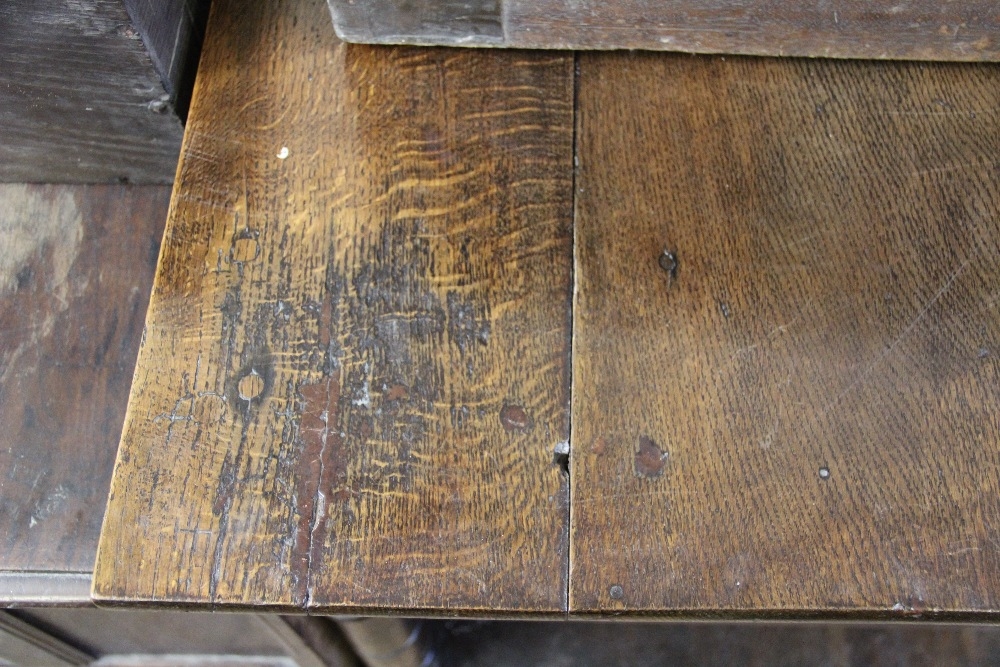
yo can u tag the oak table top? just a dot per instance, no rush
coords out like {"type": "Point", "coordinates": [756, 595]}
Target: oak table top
{"type": "Point", "coordinates": [762, 292]}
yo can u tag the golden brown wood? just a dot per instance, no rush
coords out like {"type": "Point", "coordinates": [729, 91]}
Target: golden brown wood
{"type": "Point", "coordinates": [355, 366]}
{"type": "Point", "coordinates": [964, 30]}
{"type": "Point", "coordinates": [76, 265]}
{"type": "Point", "coordinates": [793, 411]}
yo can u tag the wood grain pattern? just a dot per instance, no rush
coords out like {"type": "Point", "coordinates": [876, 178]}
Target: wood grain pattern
{"type": "Point", "coordinates": [355, 366]}
{"type": "Point", "coordinates": [968, 30]}
{"type": "Point", "coordinates": [76, 267]}
{"type": "Point", "coordinates": [795, 411]}
{"type": "Point", "coordinates": [80, 101]}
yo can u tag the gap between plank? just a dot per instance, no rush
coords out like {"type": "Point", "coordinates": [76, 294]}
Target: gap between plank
{"type": "Point", "coordinates": [572, 330]}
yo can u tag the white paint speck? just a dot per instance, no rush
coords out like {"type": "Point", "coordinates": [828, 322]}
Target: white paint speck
{"type": "Point", "coordinates": [898, 607]}
{"type": "Point", "coordinates": [365, 400]}
{"type": "Point", "coordinates": [32, 523]}
{"type": "Point", "coordinates": [283, 153]}
{"type": "Point", "coordinates": [561, 447]}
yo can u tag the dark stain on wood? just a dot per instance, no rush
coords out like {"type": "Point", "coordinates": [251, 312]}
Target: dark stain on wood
{"type": "Point", "coordinates": [514, 418]}
{"type": "Point", "coordinates": [649, 458]}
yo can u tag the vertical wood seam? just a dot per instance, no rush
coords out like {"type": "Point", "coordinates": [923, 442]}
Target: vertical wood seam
{"type": "Point", "coordinates": [574, 273]}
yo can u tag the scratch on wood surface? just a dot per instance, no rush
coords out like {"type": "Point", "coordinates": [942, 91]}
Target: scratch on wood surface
{"type": "Point", "coordinates": [903, 334]}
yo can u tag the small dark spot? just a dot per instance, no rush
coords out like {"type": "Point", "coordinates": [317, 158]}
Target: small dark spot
{"type": "Point", "coordinates": [983, 353]}
{"type": "Point", "coordinates": [514, 418]}
{"type": "Point", "coordinates": [123, 180]}
{"type": "Point", "coordinates": [668, 262]}
{"type": "Point", "coordinates": [724, 308]}
{"type": "Point", "coordinates": [824, 473]}
{"type": "Point", "coordinates": [616, 592]}
{"type": "Point", "coordinates": [24, 276]}
{"type": "Point", "coordinates": [560, 455]}
{"type": "Point", "coordinates": [649, 459]}
{"type": "Point", "coordinates": [29, 419]}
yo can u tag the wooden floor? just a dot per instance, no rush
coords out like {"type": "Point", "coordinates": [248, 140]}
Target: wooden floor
{"type": "Point", "coordinates": [761, 292]}
{"type": "Point", "coordinates": [75, 274]}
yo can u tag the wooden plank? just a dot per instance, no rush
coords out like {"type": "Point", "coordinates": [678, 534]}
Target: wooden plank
{"type": "Point", "coordinates": [76, 265]}
{"type": "Point", "coordinates": [355, 366]}
{"type": "Point", "coordinates": [919, 30]}
{"type": "Point", "coordinates": [794, 410]}
{"type": "Point", "coordinates": [80, 101]}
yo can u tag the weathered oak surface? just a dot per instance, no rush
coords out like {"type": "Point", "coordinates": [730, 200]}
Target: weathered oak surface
{"type": "Point", "coordinates": [76, 266]}
{"type": "Point", "coordinates": [966, 30]}
{"type": "Point", "coordinates": [794, 410]}
{"type": "Point", "coordinates": [355, 365]}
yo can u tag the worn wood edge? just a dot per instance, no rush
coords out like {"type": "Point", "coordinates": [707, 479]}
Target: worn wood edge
{"type": "Point", "coordinates": [468, 613]}
{"type": "Point", "coordinates": [887, 616]}
{"type": "Point", "coordinates": [95, 595]}
{"type": "Point", "coordinates": [425, 41]}
{"type": "Point", "coordinates": [151, 603]}
{"type": "Point", "coordinates": [676, 40]}
{"type": "Point", "coordinates": [198, 604]}
{"type": "Point", "coordinates": [417, 40]}
{"type": "Point", "coordinates": [45, 589]}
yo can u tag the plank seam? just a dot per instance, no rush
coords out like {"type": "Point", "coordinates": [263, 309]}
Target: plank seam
{"type": "Point", "coordinates": [572, 330]}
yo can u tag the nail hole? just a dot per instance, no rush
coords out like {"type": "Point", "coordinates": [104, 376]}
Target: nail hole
{"type": "Point", "coordinates": [251, 385]}
{"type": "Point", "coordinates": [668, 262]}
